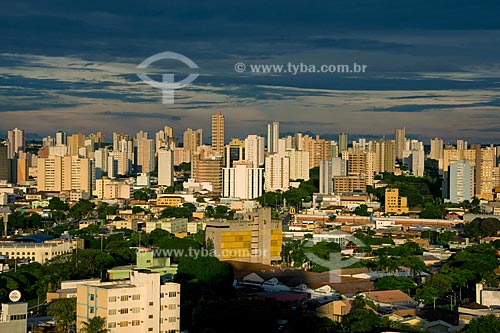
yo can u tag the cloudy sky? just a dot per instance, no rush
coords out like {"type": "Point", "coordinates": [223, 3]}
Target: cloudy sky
{"type": "Point", "coordinates": [432, 66]}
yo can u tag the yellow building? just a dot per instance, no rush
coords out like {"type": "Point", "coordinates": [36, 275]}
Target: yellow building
{"type": "Point", "coordinates": [394, 204]}
{"type": "Point", "coordinates": [172, 201]}
{"type": "Point", "coordinates": [255, 239]}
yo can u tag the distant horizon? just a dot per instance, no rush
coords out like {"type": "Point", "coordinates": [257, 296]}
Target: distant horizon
{"type": "Point", "coordinates": [74, 65]}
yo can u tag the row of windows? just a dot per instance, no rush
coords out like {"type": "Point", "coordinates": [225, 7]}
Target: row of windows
{"type": "Point", "coordinates": [124, 323]}
{"type": "Point", "coordinates": [124, 311]}
{"type": "Point", "coordinates": [18, 317]}
{"type": "Point", "coordinates": [124, 298]}
{"type": "Point", "coordinates": [170, 294]}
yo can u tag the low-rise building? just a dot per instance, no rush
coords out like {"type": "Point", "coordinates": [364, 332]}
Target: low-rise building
{"type": "Point", "coordinates": [39, 252]}
{"type": "Point", "coordinates": [13, 318]}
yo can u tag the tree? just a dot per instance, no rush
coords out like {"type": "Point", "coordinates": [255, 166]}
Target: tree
{"type": "Point", "coordinates": [56, 204]}
{"type": "Point", "coordinates": [94, 325]}
{"type": "Point", "coordinates": [488, 323]}
{"type": "Point", "coordinates": [362, 210]}
{"type": "Point", "coordinates": [402, 283]}
{"type": "Point", "coordinates": [64, 312]}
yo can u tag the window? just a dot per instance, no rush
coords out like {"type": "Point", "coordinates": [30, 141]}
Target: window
{"type": "Point", "coordinates": [112, 312]}
{"type": "Point", "coordinates": [136, 310]}
{"type": "Point", "coordinates": [171, 319]}
{"type": "Point", "coordinates": [92, 297]}
{"type": "Point", "coordinates": [124, 311]}
{"type": "Point", "coordinates": [151, 303]}
{"type": "Point", "coordinates": [150, 329]}
{"type": "Point", "coordinates": [91, 309]}
{"type": "Point", "coordinates": [171, 306]}
{"type": "Point", "coordinates": [172, 294]}
{"type": "Point", "coordinates": [124, 298]}
{"type": "Point", "coordinates": [136, 297]}
{"type": "Point", "coordinates": [150, 317]}
{"type": "Point", "coordinates": [162, 295]}
{"type": "Point", "coordinates": [123, 323]}
{"type": "Point", "coordinates": [112, 298]}
{"type": "Point", "coordinates": [136, 322]}
{"type": "Point", "coordinates": [112, 325]}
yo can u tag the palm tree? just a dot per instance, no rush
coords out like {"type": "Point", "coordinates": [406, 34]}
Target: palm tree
{"type": "Point", "coordinates": [64, 312]}
{"type": "Point", "coordinates": [94, 325]}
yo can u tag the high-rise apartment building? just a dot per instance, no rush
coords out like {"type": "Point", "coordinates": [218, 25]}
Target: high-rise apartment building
{"type": "Point", "coordinates": [255, 150]}
{"type": "Point", "coordinates": [145, 161]}
{"type": "Point", "coordinates": [75, 141]}
{"type": "Point", "coordinates": [5, 164]}
{"type": "Point", "coordinates": [208, 170]}
{"type": "Point", "coordinates": [15, 142]}
{"type": "Point", "coordinates": [273, 135]}
{"type": "Point", "coordinates": [234, 151]}
{"type": "Point", "coordinates": [192, 139]}
{"type": "Point", "coordinates": [218, 134]}
{"type": "Point", "coordinates": [299, 164]}
{"type": "Point", "coordinates": [436, 149]}
{"type": "Point", "coordinates": [242, 181]}
{"type": "Point", "coordinates": [67, 173]}
{"type": "Point", "coordinates": [277, 174]}
{"type": "Point", "coordinates": [165, 167]}
{"type": "Point", "coordinates": [400, 143]}
{"type": "Point", "coordinates": [384, 155]}
{"type": "Point", "coordinates": [343, 142]}
{"type": "Point", "coordinates": [461, 182]}
{"type": "Point", "coordinates": [485, 162]}
{"type": "Point", "coordinates": [142, 304]}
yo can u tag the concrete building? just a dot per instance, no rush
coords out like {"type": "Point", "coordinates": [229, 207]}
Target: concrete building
{"type": "Point", "coordinates": [144, 151]}
{"type": "Point", "coordinates": [255, 239]}
{"type": "Point", "coordinates": [56, 173]}
{"type": "Point", "coordinates": [343, 142]}
{"type": "Point", "coordinates": [107, 188]}
{"type": "Point", "coordinates": [273, 135]}
{"type": "Point", "coordinates": [485, 162]}
{"type": "Point", "coordinates": [234, 151]}
{"type": "Point", "coordinates": [255, 150]}
{"type": "Point", "coordinates": [242, 181]}
{"type": "Point", "coordinates": [349, 184]}
{"type": "Point", "coordinates": [325, 177]}
{"type": "Point", "coordinates": [35, 252]}
{"type": "Point", "coordinates": [394, 204]}
{"type": "Point", "coordinates": [384, 155]}
{"type": "Point", "coordinates": [299, 164]}
{"type": "Point", "coordinates": [13, 318]}
{"type": "Point", "coordinates": [461, 183]}
{"type": "Point", "coordinates": [400, 143]}
{"type": "Point", "coordinates": [218, 134]}
{"type": "Point", "coordinates": [277, 173]}
{"type": "Point", "coordinates": [208, 170]}
{"type": "Point", "coordinates": [417, 162]}
{"type": "Point", "coordinates": [436, 149]}
{"type": "Point", "coordinates": [165, 167]}
{"type": "Point", "coordinates": [5, 165]}
{"type": "Point", "coordinates": [192, 139]}
{"type": "Point", "coordinates": [15, 142]}
{"type": "Point", "coordinates": [487, 296]}
{"type": "Point", "coordinates": [141, 305]}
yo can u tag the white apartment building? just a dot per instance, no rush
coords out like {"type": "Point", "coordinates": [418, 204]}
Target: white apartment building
{"type": "Point", "coordinates": [255, 150]}
{"type": "Point", "coordinates": [139, 305]}
{"type": "Point", "coordinates": [242, 181]}
{"type": "Point", "coordinates": [165, 167]}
